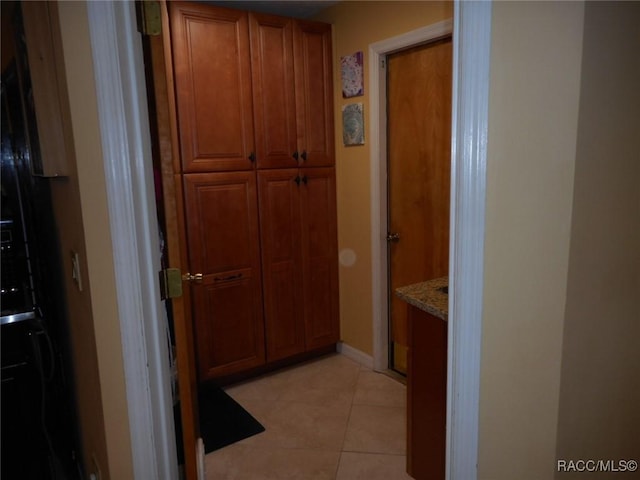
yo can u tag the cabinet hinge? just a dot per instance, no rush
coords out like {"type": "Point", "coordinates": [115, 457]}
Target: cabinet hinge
{"type": "Point", "coordinates": [149, 18]}
{"type": "Point", "coordinates": [170, 283]}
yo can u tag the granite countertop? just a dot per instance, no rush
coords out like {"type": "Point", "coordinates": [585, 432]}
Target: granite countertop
{"type": "Point", "coordinates": [428, 296]}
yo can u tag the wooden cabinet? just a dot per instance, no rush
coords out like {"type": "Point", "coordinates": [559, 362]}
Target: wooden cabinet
{"type": "Point", "coordinates": [254, 105]}
{"type": "Point", "coordinates": [273, 91]}
{"type": "Point", "coordinates": [222, 225]}
{"type": "Point", "coordinates": [292, 92]}
{"type": "Point", "coordinates": [299, 258]}
{"type": "Point", "coordinates": [281, 260]}
{"type": "Point", "coordinates": [426, 395]}
{"type": "Point", "coordinates": [212, 70]}
{"type": "Point", "coordinates": [319, 255]}
{"type": "Point", "coordinates": [236, 71]}
{"type": "Point", "coordinates": [314, 93]}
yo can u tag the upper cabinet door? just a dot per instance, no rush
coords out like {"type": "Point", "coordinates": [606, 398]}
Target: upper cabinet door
{"type": "Point", "coordinates": [314, 93]}
{"type": "Point", "coordinates": [213, 87]}
{"type": "Point", "coordinates": [273, 90]}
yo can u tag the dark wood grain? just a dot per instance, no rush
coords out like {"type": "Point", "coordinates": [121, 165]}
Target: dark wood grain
{"type": "Point", "coordinates": [426, 395]}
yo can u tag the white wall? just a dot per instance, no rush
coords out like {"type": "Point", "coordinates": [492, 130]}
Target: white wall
{"type": "Point", "coordinates": [80, 205]}
{"type": "Point", "coordinates": [599, 415]}
{"type": "Point", "coordinates": [533, 118]}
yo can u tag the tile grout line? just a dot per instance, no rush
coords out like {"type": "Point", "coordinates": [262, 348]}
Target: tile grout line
{"type": "Point", "coordinates": [344, 437]}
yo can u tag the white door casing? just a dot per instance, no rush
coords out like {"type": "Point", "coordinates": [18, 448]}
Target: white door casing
{"type": "Point", "coordinates": [378, 125]}
{"type": "Point", "coordinates": [126, 146]}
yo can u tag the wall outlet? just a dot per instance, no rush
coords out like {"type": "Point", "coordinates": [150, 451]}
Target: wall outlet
{"type": "Point", "coordinates": [75, 270]}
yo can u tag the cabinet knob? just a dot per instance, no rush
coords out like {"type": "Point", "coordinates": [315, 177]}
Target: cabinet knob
{"type": "Point", "coordinates": [296, 155]}
{"type": "Point", "coordinates": [303, 155]}
{"type": "Point", "coordinates": [252, 157]}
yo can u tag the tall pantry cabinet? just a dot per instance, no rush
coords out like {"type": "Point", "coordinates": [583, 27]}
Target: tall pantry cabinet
{"type": "Point", "coordinates": [255, 125]}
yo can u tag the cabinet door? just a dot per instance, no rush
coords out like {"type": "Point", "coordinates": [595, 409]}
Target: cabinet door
{"type": "Point", "coordinates": [426, 395]}
{"type": "Point", "coordinates": [213, 87]}
{"type": "Point", "coordinates": [222, 231]}
{"type": "Point", "coordinates": [279, 195]}
{"type": "Point", "coordinates": [314, 93]}
{"type": "Point", "coordinates": [273, 90]}
{"type": "Point", "coordinates": [319, 256]}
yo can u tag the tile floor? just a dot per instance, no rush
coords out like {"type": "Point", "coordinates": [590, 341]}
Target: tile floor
{"type": "Point", "coordinates": [325, 419]}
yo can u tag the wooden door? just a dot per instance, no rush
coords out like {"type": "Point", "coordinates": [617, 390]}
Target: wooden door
{"type": "Point", "coordinates": [223, 240]}
{"type": "Point", "coordinates": [273, 91]}
{"type": "Point", "coordinates": [279, 193]}
{"type": "Point", "coordinates": [166, 156]}
{"type": "Point", "coordinates": [319, 256]}
{"type": "Point", "coordinates": [419, 169]}
{"type": "Point", "coordinates": [212, 70]}
{"type": "Point", "coordinates": [314, 93]}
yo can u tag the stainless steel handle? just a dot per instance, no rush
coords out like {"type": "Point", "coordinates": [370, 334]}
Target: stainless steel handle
{"type": "Point", "coordinates": [393, 237]}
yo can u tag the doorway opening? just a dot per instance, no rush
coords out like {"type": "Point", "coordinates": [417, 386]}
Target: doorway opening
{"type": "Point", "coordinates": [384, 355]}
{"type": "Point", "coordinates": [418, 110]}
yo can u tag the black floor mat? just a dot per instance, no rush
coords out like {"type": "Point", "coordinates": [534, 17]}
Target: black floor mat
{"type": "Point", "coordinates": [222, 421]}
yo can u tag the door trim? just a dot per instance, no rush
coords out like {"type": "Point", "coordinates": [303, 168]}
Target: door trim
{"type": "Point", "coordinates": [378, 160]}
{"type": "Point", "coordinates": [126, 147]}
{"type": "Point", "coordinates": [470, 119]}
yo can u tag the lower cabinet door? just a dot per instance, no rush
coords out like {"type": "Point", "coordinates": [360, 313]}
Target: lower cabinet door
{"type": "Point", "coordinates": [228, 324]}
{"type": "Point", "coordinates": [279, 194]}
{"type": "Point", "coordinates": [223, 242]}
{"type": "Point", "coordinates": [426, 395]}
{"type": "Point", "coordinates": [319, 256]}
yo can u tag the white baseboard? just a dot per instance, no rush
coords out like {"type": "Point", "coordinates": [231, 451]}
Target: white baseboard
{"type": "Point", "coordinates": [354, 354]}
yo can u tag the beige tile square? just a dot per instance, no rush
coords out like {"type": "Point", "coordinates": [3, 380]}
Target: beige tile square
{"type": "Point", "coordinates": [376, 429]}
{"type": "Point", "coordinates": [262, 388]}
{"type": "Point", "coordinates": [372, 466]}
{"type": "Point", "coordinates": [299, 425]}
{"type": "Point", "coordinates": [328, 379]}
{"type": "Point", "coordinates": [241, 462]}
{"type": "Point", "coordinates": [338, 398]}
{"type": "Point", "coordinates": [333, 372]}
{"type": "Point", "coordinates": [379, 389]}
{"type": "Point", "coordinates": [224, 463]}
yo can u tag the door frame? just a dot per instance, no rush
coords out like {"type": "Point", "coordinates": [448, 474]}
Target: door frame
{"type": "Point", "coordinates": [126, 146]}
{"type": "Point", "coordinates": [379, 212]}
{"type": "Point", "coordinates": [470, 103]}
{"type": "Point", "coordinates": [472, 47]}
{"type": "Point", "coordinates": [428, 35]}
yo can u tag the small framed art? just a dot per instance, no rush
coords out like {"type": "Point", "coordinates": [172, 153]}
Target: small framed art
{"type": "Point", "coordinates": [353, 124]}
{"type": "Point", "coordinates": [352, 78]}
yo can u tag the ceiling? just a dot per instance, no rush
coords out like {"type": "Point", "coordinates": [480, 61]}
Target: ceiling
{"type": "Point", "coordinates": [291, 8]}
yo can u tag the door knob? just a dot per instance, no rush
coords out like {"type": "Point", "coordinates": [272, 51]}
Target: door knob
{"type": "Point", "coordinates": [188, 277]}
{"type": "Point", "coordinates": [393, 237]}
